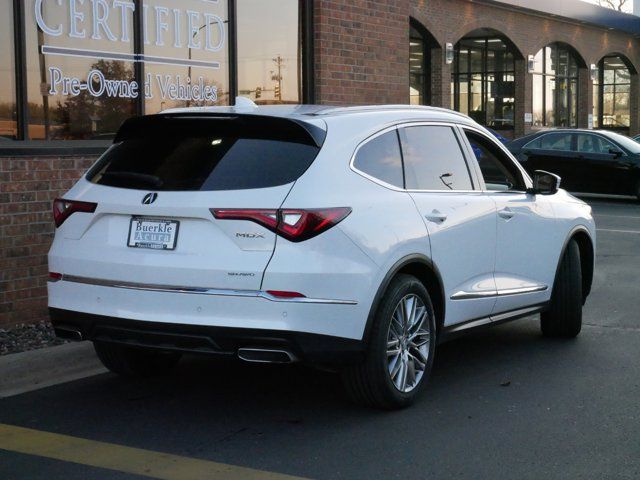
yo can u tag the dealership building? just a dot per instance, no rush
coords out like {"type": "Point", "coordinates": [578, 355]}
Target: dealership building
{"type": "Point", "coordinates": [71, 71]}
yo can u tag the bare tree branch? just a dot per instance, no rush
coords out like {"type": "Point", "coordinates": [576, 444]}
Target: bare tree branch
{"type": "Point", "coordinates": [614, 4]}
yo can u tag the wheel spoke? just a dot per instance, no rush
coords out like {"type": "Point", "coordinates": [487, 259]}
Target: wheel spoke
{"type": "Point", "coordinates": [420, 339]}
{"type": "Point", "coordinates": [401, 378]}
{"type": "Point", "coordinates": [420, 354]}
{"type": "Point", "coordinates": [393, 347]}
{"type": "Point", "coordinates": [418, 361]}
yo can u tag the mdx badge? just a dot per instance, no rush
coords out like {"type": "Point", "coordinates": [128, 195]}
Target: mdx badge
{"type": "Point", "coordinates": [249, 235]}
{"type": "Point", "coordinates": [149, 198]}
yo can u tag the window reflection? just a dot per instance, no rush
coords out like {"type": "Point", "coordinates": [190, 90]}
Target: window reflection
{"type": "Point", "coordinates": [612, 95]}
{"type": "Point", "coordinates": [78, 88]}
{"type": "Point", "coordinates": [484, 81]}
{"type": "Point", "coordinates": [419, 68]}
{"type": "Point", "coordinates": [8, 123]}
{"type": "Point", "coordinates": [269, 51]}
{"type": "Point", "coordinates": [555, 88]}
{"type": "Point", "coordinates": [185, 49]}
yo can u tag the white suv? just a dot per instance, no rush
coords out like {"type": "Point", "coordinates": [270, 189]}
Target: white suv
{"type": "Point", "coordinates": [355, 238]}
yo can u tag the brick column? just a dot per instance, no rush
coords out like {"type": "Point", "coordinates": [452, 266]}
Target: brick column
{"type": "Point", "coordinates": [585, 97]}
{"type": "Point", "coordinates": [361, 52]}
{"type": "Point", "coordinates": [523, 92]}
{"type": "Point", "coordinates": [440, 79]}
{"type": "Point", "coordinates": [634, 105]}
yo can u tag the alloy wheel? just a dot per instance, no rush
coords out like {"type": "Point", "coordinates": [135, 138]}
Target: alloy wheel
{"type": "Point", "coordinates": [408, 341]}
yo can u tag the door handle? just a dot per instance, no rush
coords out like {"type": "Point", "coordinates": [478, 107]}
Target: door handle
{"type": "Point", "coordinates": [436, 216]}
{"type": "Point", "coordinates": [506, 213]}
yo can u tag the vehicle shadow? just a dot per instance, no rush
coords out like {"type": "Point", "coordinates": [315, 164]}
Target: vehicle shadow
{"type": "Point", "coordinates": [206, 390]}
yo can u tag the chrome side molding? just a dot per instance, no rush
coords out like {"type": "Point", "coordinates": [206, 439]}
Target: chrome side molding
{"type": "Point", "coordinates": [221, 292]}
{"type": "Point", "coordinates": [462, 295]}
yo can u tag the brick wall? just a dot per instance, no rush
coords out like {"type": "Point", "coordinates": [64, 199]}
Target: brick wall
{"type": "Point", "coordinates": [27, 188]}
{"type": "Point", "coordinates": [361, 51]}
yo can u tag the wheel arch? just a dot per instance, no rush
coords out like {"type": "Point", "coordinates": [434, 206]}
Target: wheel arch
{"type": "Point", "coordinates": [424, 270]}
{"type": "Point", "coordinates": [587, 257]}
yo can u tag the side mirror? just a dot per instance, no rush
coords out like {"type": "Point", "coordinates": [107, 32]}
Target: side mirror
{"type": "Point", "coordinates": [545, 183]}
{"type": "Point", "coordinates": [615, 152]}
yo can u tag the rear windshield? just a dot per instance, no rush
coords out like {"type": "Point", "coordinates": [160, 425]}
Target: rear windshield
{"type": "Point", "coordinates": [200, 160]}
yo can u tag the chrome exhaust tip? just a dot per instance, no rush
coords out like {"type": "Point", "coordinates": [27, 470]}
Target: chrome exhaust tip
{"type": "Point", "coordinates": [68, 333]}
{"type": "Point", "coordinates": [266, 355]}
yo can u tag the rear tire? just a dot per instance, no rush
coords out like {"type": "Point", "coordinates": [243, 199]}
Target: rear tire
{"type": "Point", "coordinates": [135, 362]}
{"type": "Point", "coordinates": [564, 317]}
{"type": "Point", "coordinates": [401, 348]}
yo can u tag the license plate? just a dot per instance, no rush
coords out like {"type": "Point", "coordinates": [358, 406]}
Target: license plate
{"type": "Point", "coordinates": [155, 233]}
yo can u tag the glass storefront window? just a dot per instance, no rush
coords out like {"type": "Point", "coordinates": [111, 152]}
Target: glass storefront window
{"type": "Point", "coordinates": [612, 95]}
{"type": "Point", "coordinates": [91, 64]}
{"type": "Point", "coordinates": [8, 117]}
{"type": "Point", "coordinates": [269, 51]}
{"type": "Point", "coordinates": [489, 96]}
{"type": "Point", "coordinates": [555, 105]}
{"type": "Point", "coordinates": [186, 55]}
{"type": "Point", "coordinates": [79, 69]}
{"type": "Point", "coordinates": [419, 68]}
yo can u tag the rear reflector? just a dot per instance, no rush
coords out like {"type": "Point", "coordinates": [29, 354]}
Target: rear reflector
{"type": "Point", "coordinates": [282, 294]}
{"type": "Point", "coordinates": [63, 209]}
{"type": "Point", "coordinates": [293, 224]}
{"type": "Point", "coordinates": [54, 277]}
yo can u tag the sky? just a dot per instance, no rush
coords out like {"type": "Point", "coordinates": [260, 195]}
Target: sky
{"type": "Point", "coordinates": [628, 7]}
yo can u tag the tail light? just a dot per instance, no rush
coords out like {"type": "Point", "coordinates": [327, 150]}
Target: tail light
{"type": "Point", "coordinates": [293, 224]}
{"type": "Point", "coordinates": [63, 209]}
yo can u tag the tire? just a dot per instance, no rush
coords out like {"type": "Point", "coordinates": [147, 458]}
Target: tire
{"type": "Point", "coordinates": [372, 381]}
{"type": "Point", "coordinates": [564, 317]}
{"type": "Point", "coordinates": [135, 362]}
{"type": "Point", "coordinates": [638, 191]}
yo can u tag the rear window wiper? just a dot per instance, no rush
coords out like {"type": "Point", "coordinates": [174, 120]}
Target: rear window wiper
{"type": "Point", "coordinates": [151, 180]}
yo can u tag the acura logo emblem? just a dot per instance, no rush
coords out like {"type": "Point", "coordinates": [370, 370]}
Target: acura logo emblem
{"type": "Point", "coordinates": [149, 198]}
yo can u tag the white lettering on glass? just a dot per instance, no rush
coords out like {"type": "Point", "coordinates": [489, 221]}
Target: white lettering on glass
{"type": "Point", "coordinates": [193, 27]}
{"type": "Point", "coordinates": [100, 16]}
{"type": "Point", "coordinates": [211, 19]}
{"type": "Point", "coordinates": [74, 17]}
{"type": "Point", "coordinates": [177, 36]}
{"type": "Point", "coordinates": [161, 25]}
{"type": "Point", "coordinates": [124, 17]}
{"type": "Point", "coordinates": [54, 32]}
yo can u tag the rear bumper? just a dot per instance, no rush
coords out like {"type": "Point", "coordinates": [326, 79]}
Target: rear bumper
{"type": "Point", "coordinates": [237, 310]}
{"type": "Point", "coordinates": [203, 339]}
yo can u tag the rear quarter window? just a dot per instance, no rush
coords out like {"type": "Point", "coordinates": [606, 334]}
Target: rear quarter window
{"type": "Point", "coordinates": [380, 158]}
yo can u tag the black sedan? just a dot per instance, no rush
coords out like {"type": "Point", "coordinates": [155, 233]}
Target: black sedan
{"type": "Point", "coordinates": [589, 161]}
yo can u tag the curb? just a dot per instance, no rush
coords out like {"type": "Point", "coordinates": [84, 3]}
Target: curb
{"type": "Point", "coordinates": [35, 369]}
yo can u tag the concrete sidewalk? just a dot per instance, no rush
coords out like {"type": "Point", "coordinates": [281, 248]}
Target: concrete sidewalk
{"type": "Point", "coordinates": [35, 369]}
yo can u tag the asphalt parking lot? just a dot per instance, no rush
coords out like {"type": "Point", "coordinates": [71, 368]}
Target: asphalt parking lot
{"type": "Point", "coordinates": [503, 403]}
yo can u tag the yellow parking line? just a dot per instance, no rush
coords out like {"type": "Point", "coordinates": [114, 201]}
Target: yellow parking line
{"type": "Point", "coordinates": [123, 459]}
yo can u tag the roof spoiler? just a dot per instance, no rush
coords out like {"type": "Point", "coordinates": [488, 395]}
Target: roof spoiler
{"type": "Point", "coordinates": [251, 125]}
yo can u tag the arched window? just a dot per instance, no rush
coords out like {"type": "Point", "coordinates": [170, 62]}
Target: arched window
{"type": "Point", "coordinates": [611, 91]}
{"type": "Point", "coordinates": [419, 66]}
{"type": "Point", "coordinates": [555, 87]}
{"type": "Point", "coordinates": [483, 81]}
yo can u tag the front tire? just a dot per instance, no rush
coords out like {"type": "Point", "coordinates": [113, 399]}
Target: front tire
{"type": "Point", "coordinates": [564, 317]}
{"type": "Point", "coordinates": [135, 362]}
{"type": "Point", "coordinates": [401, 348]}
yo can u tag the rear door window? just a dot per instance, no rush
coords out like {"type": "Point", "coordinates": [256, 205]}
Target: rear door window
{"type": "Point", "coordinates": [203, 159]}
{"type": "Point", "coordinates": [433, 159]}
{"type": "Point", "coordinates": [552, 141]}
{"type": "Point", "coordinates": [381, 159]}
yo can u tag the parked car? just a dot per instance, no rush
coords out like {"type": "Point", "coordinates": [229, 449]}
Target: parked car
{"type": "Point", "coordinates": [351, 238]}
{"type": "Point", "coordinates": [589, 161]}
{"type": "Point", "coordinates": [636, 138]}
